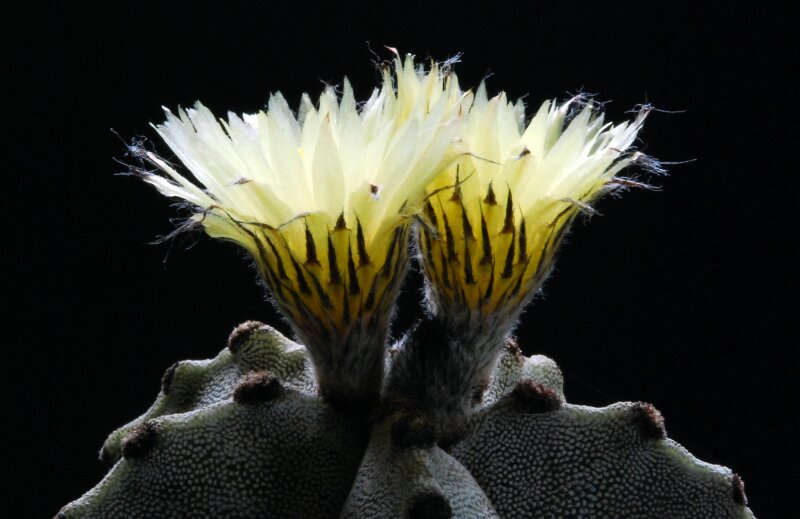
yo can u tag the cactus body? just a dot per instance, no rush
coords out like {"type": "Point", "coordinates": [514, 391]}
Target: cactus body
{"type": "Point", "coordinates": [244, 435]}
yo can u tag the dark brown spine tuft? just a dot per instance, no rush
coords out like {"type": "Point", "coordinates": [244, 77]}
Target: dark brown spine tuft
{"type": "Point", "coordinates": [739, 496]}
{"type": "Point", "coordinates": [429, 505]}
{"type": "Point", "coordinates": [240, 335]}
{"type": "Point", "coordinates": [139, 441]}
{"type": "Point", "coordinates": [531, 397]}
{"type": "Point", "coordinates": [257, 387]}
{"type": "Point", "coordinates": [169, 376]}
{"type": "Point", "coordinates": [106, 458]}
{"type": "Point", "coordinates": [648, 421]}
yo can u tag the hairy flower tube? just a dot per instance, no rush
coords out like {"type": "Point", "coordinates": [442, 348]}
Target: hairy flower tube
{"type": "Point", "coordinates": [323, 203]}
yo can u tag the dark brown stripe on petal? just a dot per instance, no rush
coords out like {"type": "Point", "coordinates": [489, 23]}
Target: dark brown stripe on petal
{"type": "Point", "coordinates": [261, 252]}
{"type": "Point", "coordinates": [487, 242]}
{"type": "Point", "coordinates": [490, 199]}
{"type": "Point", "coordinates": [468, 277]}
{"type": "Point", "coordinates": [341, 225]}
{"type": "Point", "coordinates": [299, 307]}
{"type": "Point", "coordinates": [490, 287]}
{"type": "Point", "coordinates": [523, 241]}
{"type": "Point", "coordinates": [431, 214]}
{"type": "Point", "coordinates": [302, 284]}
{"type": "Point", "coordinates": [333, 266]}
{"type": "Point", "coordinates": [363, 257]}
{"type": "Point", "coordinates": [448, 235]}
{"type": "Point", "coordinates": [467, 227]}
{"type": "Point", "coordinates": [323, 296]}
{"type": "Point", "coordinates": [508, 223]}
{"type": "Point", "coordinates": [273, 281]}
{"type": "Point", "coordinates": [509, 264]}
{"type": "Point", "coordinates": [457, 191]}
{"type": "Point", "coordinates": [278, 260]}
{"type": "Point", "coordinates": [445, 277]}
{"type": "Point", "coordinates": [352, 274]}
{"type": "Point", "coordinates": [311, 249]}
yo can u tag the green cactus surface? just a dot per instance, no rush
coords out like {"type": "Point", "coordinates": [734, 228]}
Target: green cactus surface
{"type": "Point", "coordinates": [244, 435]}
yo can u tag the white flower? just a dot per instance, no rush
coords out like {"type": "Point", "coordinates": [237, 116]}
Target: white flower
{"type": "Point", "coordinates": [322, 202]}
{"type": "Point", "coordinates": [493, 221]}
{"type": "Point", "coordinates": [499, 213]}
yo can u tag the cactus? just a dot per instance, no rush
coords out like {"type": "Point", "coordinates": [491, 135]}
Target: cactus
{"type": "Point", "coordinates": [452, 420]}
{"type": "Point", "coordinates": [245, 435]}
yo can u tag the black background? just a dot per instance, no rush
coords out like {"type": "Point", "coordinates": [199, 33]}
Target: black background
{"type": "Point", "coordinates": [686, 298]}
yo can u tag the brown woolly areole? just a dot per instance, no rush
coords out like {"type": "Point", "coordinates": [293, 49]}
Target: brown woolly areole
{"type": "Point", "coordinates": [140, 441]}
{"type": "Point", "coordinates": [648, 421]}
{"type": "Point", "coordinates": [531, 397]}
{"type": "Point", "coordinates": [241, 334]}
{"type": "Point", "coordinates": [429, 505]}
{"type": "Point", "coordinates": [257, 387]}
{"type": "Point", "coordinates": [739, 496]}
{"type": "Point", "coordinates": [168, 377]}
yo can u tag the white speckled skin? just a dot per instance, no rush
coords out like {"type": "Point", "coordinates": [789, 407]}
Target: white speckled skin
{"type": "Point", "coordinates": [582, 461]}
{"type": "Point", "coordinates": [389, 478]}
{"type": "Point", "coordinates": [294, 455]}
